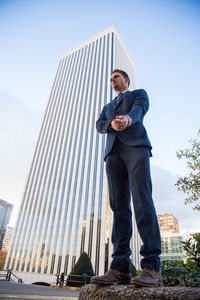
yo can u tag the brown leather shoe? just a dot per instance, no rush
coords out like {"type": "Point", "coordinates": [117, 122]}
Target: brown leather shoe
{"type": "Point", "coordinates": [159, 275]}
{"type": "Point", "coordinates": [112, 277]}
{"type": "Point", "coordinates": [148, 277]}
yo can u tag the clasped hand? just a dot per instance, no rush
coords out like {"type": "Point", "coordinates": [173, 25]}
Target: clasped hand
{"type": "Point", "coordinates": [120, 123]}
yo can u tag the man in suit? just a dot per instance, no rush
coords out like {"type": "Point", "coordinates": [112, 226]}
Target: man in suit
{"type": "Point", "coordinates": [127, 165]}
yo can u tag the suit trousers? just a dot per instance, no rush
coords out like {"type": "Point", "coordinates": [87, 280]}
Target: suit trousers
{"type": "Point", "coordinates": [128, 171]}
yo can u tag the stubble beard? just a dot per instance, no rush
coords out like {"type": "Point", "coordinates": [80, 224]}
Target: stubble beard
{"type": "Point", "coordinates": [116, 88]}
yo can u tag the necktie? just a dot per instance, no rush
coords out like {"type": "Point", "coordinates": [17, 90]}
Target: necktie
{"type": "Point", "coordinates": [118, 99]}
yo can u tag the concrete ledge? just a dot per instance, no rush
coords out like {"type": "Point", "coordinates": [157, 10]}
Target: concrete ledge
{"type": "Point", "coordinates": [131, 292]}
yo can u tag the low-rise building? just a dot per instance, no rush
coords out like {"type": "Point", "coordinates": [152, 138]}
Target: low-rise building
{"type": "Point", "coordinates": [5, 213]}
{"type": "Point", "coordinates": [172, 247]}
{"type": "Point", "coordinates": [169, 223]}
{"type": "Point", "coordinates": [7, 233]}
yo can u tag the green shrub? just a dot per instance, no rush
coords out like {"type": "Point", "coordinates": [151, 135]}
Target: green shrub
{"type": "Point", "coordinates": [192, 249]}
{"type": "Point", "coordinates": [83, 266]}
{"type": "Point", "coordinates": [133, 270]}
{"type": "Point", "coordinates": [180, 274]}
{"type": "Point", "coordinates": [184, 274]}
{"type": "Point", "coordinates": [173, 273]}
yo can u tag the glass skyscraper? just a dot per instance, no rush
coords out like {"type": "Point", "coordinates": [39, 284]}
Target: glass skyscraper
{"type": "Point", "coordinates": [65, 207]}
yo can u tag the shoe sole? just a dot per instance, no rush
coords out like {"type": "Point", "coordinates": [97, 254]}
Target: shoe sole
{"type": "Point", "coordinates": [147, 285]}
{"type": "Point", "coordinates": [110, 283]}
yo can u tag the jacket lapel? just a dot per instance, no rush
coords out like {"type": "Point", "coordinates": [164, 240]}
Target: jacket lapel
{"type": "Point", "coordinates": [123, 95]}
{"type": "Point", "coordinates": [113, 106]}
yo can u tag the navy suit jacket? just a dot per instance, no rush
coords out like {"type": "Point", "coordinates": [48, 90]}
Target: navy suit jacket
{"type": "Point", "coordinates": [133, 103]}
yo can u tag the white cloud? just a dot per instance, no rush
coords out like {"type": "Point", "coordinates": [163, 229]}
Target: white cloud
{"type": "Point", "coordinates": [168, 199]}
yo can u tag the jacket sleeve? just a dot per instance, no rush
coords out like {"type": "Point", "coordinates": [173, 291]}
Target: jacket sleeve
{"type": "Point", "coordinates": [102, 124]}
{"type": "Point", "coordinates": [140, 106]}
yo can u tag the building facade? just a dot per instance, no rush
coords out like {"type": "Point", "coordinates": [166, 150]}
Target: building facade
{"type": "Point", "coordinates": [5, 213]}
{"type": "Point", "coordinates": [171, 239]}
{"type": "Point", "coordinates": [65, 208]}
{"type": "Point", "coordinates": [7, 232]}
{"type": "Point", "coordinates": [168, 223]}
{"type": "Point", "coordinates": [172, 247]}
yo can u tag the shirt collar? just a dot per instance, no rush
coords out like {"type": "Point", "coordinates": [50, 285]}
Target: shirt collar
{"type": "Point", "coordinates": [124, 92]}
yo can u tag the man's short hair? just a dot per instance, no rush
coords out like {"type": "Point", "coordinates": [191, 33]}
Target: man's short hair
{"type": "Point", "coordinates": [123, 74]}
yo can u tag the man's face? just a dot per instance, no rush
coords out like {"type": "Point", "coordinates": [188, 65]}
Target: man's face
{"type": "Point", "coordinates": [119, 82]}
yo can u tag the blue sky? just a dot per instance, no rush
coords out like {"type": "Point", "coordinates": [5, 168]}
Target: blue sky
{"type": "Point", "coordinates": [162, 38]}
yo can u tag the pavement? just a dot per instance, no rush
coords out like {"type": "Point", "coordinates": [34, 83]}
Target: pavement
{"type": "Point", "coordinates": [20, 291]}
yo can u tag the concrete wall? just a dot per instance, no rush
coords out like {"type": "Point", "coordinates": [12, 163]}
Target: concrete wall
{"type": "Point", "coordinates": [34, 277]}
